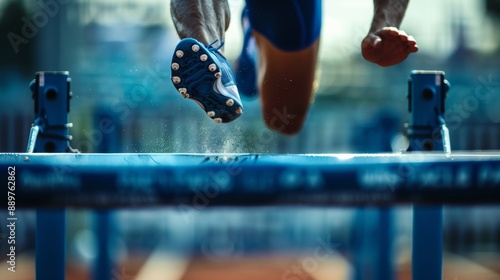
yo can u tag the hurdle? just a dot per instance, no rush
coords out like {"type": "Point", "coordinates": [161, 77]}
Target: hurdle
{"type": "Point", "coordinates": [428, 176]}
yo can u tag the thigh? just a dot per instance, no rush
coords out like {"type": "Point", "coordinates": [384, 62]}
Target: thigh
{"type": "Point", "coordinates": [290, 25]}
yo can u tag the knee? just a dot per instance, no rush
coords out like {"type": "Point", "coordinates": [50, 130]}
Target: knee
{"type": "Point", "coordinates": [284, 122]}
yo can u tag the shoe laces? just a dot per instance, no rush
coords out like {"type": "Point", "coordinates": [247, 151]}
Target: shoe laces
{"type": "Point", "coordinates": [214, 49]}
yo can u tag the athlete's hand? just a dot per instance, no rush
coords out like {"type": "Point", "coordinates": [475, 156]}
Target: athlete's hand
{"type": "Point", "coordinates": [388, 46]}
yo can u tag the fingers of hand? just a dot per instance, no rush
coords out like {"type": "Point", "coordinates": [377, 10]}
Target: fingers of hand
{"type": "Point", "coordinates": [388, 31]}
{"type": "Point", "coordinates": [412, 44]}
{"type": "Point", "coordinates": [371, 41]}
{"type": "Point", "coordinates": [394, 32]}
{"type": "Point", "coordinates": [403, 36]}
{"type": "Point", "coordinates": [411, 41]}
{"type": "Point", "coordinates": [376, 43]}
{"type": "Point", "coordinates": [413, 48]}
{"type": "Point", "coordinates": [406, 42]}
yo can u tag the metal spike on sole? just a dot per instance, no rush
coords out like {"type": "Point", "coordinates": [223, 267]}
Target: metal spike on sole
{"type": "Point", "coordinates": [179, 53]}
{"type": "Point", "coordinates": [183, 92]}
{"type": "Point", "coordinates": [211, 113]}
{"type": "Point", "coordinates": [212, 67]}
{"type": "Point", "coordinates": [218, 120]}
{"type": "Point", "coordinates": [195, 48]}
{"type": "Point", "coordinates": [217, 75]}
{"type": "Point", "coordinates": [176, 80]}
{"type": "Point", "coordinates": [239, 111]}
{"type": "Point", "coordinates": [203, 57]}
{"type": "Point", "coordinates": [230, 102]}
{"type": "Point", "coordinates": [175, 66]}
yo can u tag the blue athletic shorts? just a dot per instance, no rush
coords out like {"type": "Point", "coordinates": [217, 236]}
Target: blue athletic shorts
{"type": "Point", "coordinates": [290, 25]}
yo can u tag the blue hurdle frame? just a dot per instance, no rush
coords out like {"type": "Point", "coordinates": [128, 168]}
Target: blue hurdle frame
{"type": "Point", "coordinates": [427, 132]}
{"type": "Point", "coordinates": [51, 94]}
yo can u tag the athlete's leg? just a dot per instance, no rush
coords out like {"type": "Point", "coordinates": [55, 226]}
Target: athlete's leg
{"type": "Point", "coordinates": [286, 84]}
{"type": "Point", "coordinates": [203, 20]}
{"type": "Point", "coordinates": [287, 35]}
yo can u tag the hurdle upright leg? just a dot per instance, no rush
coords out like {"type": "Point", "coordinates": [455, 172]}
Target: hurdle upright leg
{"type": "Point", "coordinates": [51, 92]}
{"type": "Point", "coordinates": [50, 255]}
{"type": "Point", "coordinates": [427, 251]}
{"type": "Point", "coordinates": [427, 132]}
{"type": "Point", "coordinates": [103, 263]}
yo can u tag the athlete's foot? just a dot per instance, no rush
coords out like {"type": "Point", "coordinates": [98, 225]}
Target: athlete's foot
{"type": "Point", "coordinates": [202, 74]}
{"type": "Point", "coordinates": [388, 46]}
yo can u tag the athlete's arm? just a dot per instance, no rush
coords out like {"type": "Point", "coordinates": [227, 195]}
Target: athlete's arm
{"type": "Point", "coordinates": [388, 13]}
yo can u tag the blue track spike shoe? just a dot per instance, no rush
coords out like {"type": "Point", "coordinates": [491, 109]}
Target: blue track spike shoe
{"type": "Point", "coordinates": [245, 64]}
{"type": "Point", "coordinates": [202, 74]}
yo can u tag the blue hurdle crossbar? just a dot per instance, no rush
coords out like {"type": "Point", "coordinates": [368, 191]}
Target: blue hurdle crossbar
{"type": "Point", "coordinates": [128, 180]}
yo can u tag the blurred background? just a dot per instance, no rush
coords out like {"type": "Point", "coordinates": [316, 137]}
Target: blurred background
{"type": "Point", "coordinates": [118, 53]}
